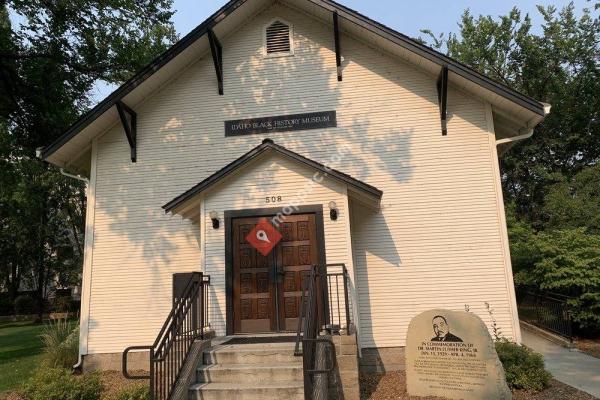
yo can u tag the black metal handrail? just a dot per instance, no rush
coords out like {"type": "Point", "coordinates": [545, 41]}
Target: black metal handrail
{"type": "Point", "coordinates": [187, 321]}
{"type": "Point", "coordinates": [546, 310]}
{"type": "Point", "coordinates": [319, 303]}
{"type": "Point", "coordinates": [338, 312]}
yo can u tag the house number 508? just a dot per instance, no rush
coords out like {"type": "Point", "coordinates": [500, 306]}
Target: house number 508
{"type": "Point", "coordinates": [273, 199]}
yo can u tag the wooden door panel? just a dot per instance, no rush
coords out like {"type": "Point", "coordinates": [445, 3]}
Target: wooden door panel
{"type": "Point", "coordinates": [295, 254]}
{"type": "Point", "coordinates": [253, 291]}
{"type": "Point", "coordinates": [264, 284]}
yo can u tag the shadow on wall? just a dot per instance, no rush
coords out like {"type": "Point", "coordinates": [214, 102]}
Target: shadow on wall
{"type": "Point", "coordinates": [179, 146]}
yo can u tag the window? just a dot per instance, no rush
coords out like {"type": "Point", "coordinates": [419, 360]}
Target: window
{"type": "Point", "coordinates": [278, 39]}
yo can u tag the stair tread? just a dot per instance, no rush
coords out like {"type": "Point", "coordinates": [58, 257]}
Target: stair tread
{"type": "Point", "coordinates": [226, 348]}
{"type": "Point", "coordinates": [247, 385]}
{"type": "Point", "coordinates": [249, 366]}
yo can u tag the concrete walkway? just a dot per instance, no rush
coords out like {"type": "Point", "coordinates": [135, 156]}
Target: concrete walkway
{"type": "Point", "coordinates": [568, 366]}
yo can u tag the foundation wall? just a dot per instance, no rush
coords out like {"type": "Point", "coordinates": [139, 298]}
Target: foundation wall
{"type": "Point", "coordinates": [382, 359]}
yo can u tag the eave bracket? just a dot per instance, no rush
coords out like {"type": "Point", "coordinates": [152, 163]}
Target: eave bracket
{"type": "Point", "coordinates": [130, 127]}
{"type": "Point", "coordinates": [217, 54]}
{"type": "Point", "coordinates": [442, 89]}
{"type": "Point", "coordinates": [338, 53]}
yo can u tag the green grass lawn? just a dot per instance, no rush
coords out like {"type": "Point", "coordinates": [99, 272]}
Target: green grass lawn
{"type": "Point", "coordinates": [20, 352]}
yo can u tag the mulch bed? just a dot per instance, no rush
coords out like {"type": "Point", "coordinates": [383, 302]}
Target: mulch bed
{"type": "Point", "coordinates": [114, 381]}
{"type": "Point", "coordinates": [388, 386]}
{"type": "Point", "coordinates": [589, 346]}
{"type": "Point", "coordinates": [392, 385]}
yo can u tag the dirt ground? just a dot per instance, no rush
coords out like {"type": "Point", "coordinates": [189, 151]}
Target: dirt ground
{"type": "Point", "coordinates": [589, 346]}
{"type": "Point", "coordinates": [392, 385]}
{"type": "Point", "coordinates": [114, 381]}
{"type": "Point", "coordinates": [389, 386]}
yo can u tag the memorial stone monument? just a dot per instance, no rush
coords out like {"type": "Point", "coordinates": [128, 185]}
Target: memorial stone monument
{"type": "Point", "coordinates": [451, 354]}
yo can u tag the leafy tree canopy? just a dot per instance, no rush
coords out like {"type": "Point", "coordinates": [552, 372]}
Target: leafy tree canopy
{"type": "Point", "coordinates": [551, 182]}
{"type": "Point", "coordinates": [560, 66]}
{"type": "Point", "coordinates": [52, 53]}
{"type": "Point", "coordinates": [58, 50]}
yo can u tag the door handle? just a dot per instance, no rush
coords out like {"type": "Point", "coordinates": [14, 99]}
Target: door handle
{"type": "Point", "coordinates": [280, 275]}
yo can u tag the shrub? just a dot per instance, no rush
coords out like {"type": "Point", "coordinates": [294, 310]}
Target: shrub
{"type": "Point", "coordinates": [60, 384]}
{"type": "Point", "coordinates": [6, 306]}
{"type": "Point", "coordinates": [137, 392]}
{"type": "Point", "coordinates": [524, 368]}
{"type": "Point", "coordinates": [24, 304]}
{"type": "Point", "coordinates": [564, 261]}
{"type": "Point", "coordinates": [61, 344]}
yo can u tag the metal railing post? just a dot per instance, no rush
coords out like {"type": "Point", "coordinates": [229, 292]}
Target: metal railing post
{"type": "Point", "coordinates": [152, 378]}
{"type": "Point", "coordinates": [201, 299]}
{"type": "Point", "coordinates": [347, 303]}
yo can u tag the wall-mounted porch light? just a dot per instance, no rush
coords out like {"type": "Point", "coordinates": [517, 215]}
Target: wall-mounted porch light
{"type": "Point", "coordinates": [333, 212]}
{"type": "Point", "coordinates": [214, 217]}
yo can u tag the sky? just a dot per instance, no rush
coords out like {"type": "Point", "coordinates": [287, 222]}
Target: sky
{"type": "Point", "coordinates": [408, 17]}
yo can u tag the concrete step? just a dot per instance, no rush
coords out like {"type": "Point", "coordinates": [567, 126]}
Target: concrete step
{"type": "Point", "coordinates": [265, 354]}
{"type": "Point", "coordinates": [248, 373]}
{"type": "Point", "coordinates": [248, 391]}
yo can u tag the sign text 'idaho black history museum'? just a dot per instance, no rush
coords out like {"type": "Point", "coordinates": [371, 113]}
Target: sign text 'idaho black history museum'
{"type": "Point", "coordinates": [281, 123]}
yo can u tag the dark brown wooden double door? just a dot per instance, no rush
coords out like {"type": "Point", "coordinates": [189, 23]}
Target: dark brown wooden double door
{"type": "Point", "coordinates": [267, 289]}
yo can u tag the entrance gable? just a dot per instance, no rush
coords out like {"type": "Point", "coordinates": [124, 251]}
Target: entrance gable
{"type": "Point", "coordinates": [308, 173]}
{"type": "Point", "coordinates": [278, 188]}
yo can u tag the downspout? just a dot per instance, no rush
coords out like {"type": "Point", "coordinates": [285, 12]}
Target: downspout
{"type": "Point", "coordinates": [76, 367]}
{"type": "Point", "coordinates": [78, 177]}
{"type": "Point", "coordinates": [526, 135]}
{"type": "Point", "coordinates": [38, 154]}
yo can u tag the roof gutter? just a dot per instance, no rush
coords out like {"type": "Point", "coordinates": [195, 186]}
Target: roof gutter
{"type": "Point", "coordinates": [529, 131]}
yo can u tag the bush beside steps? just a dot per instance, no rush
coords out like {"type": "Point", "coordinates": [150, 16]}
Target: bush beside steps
{"type": "Point", "coordinates": [60, 384]}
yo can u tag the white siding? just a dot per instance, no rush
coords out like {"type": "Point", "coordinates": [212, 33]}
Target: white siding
{"type": "Point", "coordinates": [437, 242]}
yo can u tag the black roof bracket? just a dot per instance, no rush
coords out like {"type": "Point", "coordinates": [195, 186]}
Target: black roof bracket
{"type": "Point", "coordinates": [129, 126]}
{"type": "Point", "coordinates": [348, 15]}
{"type": "Point", "coordinates": [442, 90]}
{"type": "Point", "coordinates": [338, 53]}
{"type": "Point", "coordinates": [217, 54]}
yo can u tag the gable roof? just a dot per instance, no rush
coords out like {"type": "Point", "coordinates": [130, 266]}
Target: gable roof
{"type": "Point", "coordinates": [268, 145]}
{"type": "Point", "coordinates": [461, 74]}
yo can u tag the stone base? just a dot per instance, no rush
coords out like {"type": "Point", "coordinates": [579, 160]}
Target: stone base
{"type": "Point", "coordinates": [347, 371]}
{"type": "Point", "coordinates": [382, 359]}
{"type": "Point", "coordinates": [136, 360]}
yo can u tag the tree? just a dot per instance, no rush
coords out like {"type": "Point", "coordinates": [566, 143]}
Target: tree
{"type": "Point", "coordinates": [574, 202]}
{"type": "Point", "coordinates": [560, 66]}
{"type": "Point", "coordinates": [567, 262]}
{"type": "Point", "coordinates": [551, 182]}
{"type": "Point", "coordinates": [50, 61]}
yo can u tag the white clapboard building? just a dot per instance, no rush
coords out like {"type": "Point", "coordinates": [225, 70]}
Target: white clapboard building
{"type": "Point", "coordinates": [364, 150]}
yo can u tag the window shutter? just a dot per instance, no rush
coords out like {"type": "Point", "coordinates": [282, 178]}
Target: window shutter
{"type": "Point", "coordinates": [278, 38]}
